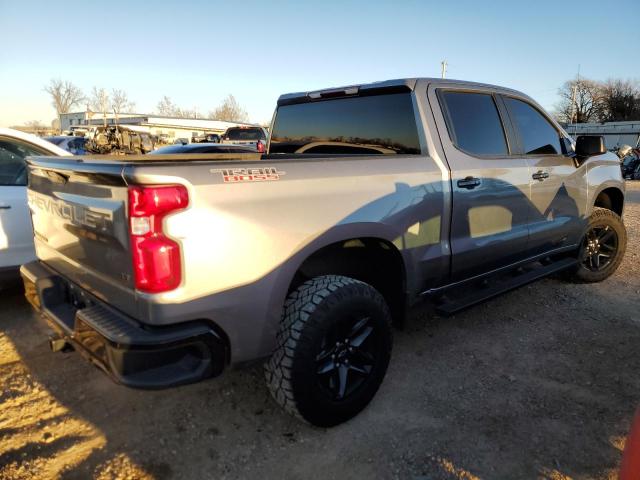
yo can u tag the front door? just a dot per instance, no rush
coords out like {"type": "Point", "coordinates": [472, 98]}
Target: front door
{"type": "Point", "coordinates": [489, 224]}
{"type": "Point", "coordinates": [558, 188]}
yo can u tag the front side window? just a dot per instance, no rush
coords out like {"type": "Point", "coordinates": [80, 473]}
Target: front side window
{"type": "Point", "coordinates": [538, 136]}
{"type": "Point", "coordinates": [474, 123]}
{"type": "Point", "coordinates": [13, 168]}
{"type": "Point", "coordinates": [367, 125]}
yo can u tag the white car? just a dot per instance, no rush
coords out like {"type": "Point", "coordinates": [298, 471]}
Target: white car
{"type": "Point", "coordinates": [16, 234]}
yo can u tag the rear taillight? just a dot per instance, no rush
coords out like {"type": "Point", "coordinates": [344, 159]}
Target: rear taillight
{"type": "Point", "coordinates": [260, 146]}
{"type": "Point", "coordinates": [157, 266]}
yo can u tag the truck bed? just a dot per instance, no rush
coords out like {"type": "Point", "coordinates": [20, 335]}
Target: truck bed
{"type": "Point", "coordinates": [247, 215]}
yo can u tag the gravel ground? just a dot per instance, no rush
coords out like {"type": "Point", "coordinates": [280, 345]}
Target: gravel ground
{"type": "Point", "coordinates": [538, 383]}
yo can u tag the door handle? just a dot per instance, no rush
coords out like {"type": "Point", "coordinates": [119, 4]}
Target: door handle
{"type": "Point", "coordinates": [469, 183]}
{"type": "Point", "coordinates": [4, 207]}
{"type": "Point", "coordinates": [540, 175]}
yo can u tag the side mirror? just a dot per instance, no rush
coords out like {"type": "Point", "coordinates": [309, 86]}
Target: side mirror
{"type": "Point", "coordinates": [589, 145]}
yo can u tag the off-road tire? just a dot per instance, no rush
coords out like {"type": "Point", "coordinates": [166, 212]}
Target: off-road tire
{"type": "Point", "coordinates": [601, 217]}
{"type": "Point", "coordinates": [311, 312]}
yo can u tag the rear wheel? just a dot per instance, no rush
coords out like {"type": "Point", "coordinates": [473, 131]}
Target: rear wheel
{"type": "Point", "coordinates": [334, 347]}
{"type": "Point", "coordinates": [602, 249]}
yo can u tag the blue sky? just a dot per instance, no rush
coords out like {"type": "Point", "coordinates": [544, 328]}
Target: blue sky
{"type": "Point", "coordinates": [197, 52]}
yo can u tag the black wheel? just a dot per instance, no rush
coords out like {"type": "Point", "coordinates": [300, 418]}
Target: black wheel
{"type": "Point", "coordinates": [602, 249]}
{"type": "Point", "coordinates": [333, 350]}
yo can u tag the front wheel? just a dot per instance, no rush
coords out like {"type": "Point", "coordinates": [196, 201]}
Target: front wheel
{"type": "Point", "coordinates": [602, 249]}
{"type": "Point", "coordinates": [333, 350]}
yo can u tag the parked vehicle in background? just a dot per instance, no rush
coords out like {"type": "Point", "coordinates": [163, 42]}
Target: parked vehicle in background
{"type": "Point", "coordinates": [255, 137]}
{"type": "Point", "coordinates": [206, 138]}
{"type": "Point", "coordinates": [16, 235]}
{"type": "Point", "coordinates": [630, 163]}
{"type": "Point", "coordinates": [120, 139]}
{"type": "Point", "coordinates": [171, 271]}
{"type": "Point", "coordinates": [191, 148]}
{"type": "Point", "coordinates": [71, 144]}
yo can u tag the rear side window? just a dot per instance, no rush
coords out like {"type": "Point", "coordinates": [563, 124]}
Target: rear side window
{"type": "Point", "coordinates": [474, 123]}
{"type": "Point", "coordinates": [538, 136]}
{"type": "Point", "coordinates": [370, 125]}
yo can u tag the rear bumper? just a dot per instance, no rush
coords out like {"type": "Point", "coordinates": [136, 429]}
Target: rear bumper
{"type": "Point", "coordinates": [131, 353]}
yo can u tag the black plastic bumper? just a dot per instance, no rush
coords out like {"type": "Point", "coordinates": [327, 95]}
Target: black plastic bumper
{"type": "Point", "coordinates": [133, 354]}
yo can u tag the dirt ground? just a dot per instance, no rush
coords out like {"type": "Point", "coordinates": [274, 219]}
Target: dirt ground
{"type": "Point", "coordinates": [538, 383]}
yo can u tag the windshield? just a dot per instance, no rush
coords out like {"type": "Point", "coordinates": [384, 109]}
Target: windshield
{"type": "Point", "coordinates": [372, 125]}
{"type": "Point", "coordinates": [253, 134]}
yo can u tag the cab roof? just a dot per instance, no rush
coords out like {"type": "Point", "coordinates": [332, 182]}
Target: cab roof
{"type": "Point", "coordinates": [388, 86]}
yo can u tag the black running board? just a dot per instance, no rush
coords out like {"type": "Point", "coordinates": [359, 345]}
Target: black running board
{"type": "Point", "coordinates": [484, 293]}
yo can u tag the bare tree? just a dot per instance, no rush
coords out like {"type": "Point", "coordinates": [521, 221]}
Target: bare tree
{"type": "Point", "coordinates": [35, 126]}
{"type": "Point", "coordinates": [621, 100]}
{"type": "Point", "coordinates": [581, 101]}
{"type": "Point", "coordinates": [120, 101]}
{"type": "Point", "coordinates": [229, 111]}
{"type": "Point", "coordinates": [168, 108]}
{"type": "Point", "coordinates": [64, 95]}
{"type": "Point", "coordinates": [99, 101]}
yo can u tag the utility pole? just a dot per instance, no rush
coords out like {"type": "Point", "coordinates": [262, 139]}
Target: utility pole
{"type": "Point", "coordinates": [444, 68]}
{"type": "Point", "coordinates": [573, 101]}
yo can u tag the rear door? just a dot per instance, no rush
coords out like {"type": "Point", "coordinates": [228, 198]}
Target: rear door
{"type": "Point", "coordinates": [489, 223]}
{"type": "Point", "coordinates": [558, 188]}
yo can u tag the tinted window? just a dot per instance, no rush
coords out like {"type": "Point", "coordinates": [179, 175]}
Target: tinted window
{"type": "Point", "coordinates": [244, 134]}
{"type": "Point", "coordinates": [474, 123]}
{"type": "Point", "coordinates": [380, 124]}
{"type": "Point", "coordinates": [202, 148]}
{"type": "Point", "coordinates": [537, 134]}
{"type": "Point", "coordinates": [13, 168]}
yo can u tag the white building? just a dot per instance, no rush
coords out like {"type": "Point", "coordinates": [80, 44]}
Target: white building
{"type": "Point", "coordinates": [173, 127]}
{"type": "Point", "coordinates": [615, 134]}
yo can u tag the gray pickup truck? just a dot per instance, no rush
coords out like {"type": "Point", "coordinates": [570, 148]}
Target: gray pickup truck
{"type": "Point", "coordinates": [167, 269]}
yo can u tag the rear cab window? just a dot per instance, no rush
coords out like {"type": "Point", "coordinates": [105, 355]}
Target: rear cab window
{"type": "Point", "coordinates": [366, 125]}
{"type": "Point", "coordinates": [474, 123]}
{"type": "Point", "coordinates": [247, 134]}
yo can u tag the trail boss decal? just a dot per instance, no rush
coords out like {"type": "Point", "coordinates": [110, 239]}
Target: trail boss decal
{"type": "Point", "coordinates": [235, 175]}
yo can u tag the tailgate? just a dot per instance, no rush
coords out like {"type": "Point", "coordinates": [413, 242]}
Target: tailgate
{"type": "Point", "coordinates": [79, 212]}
